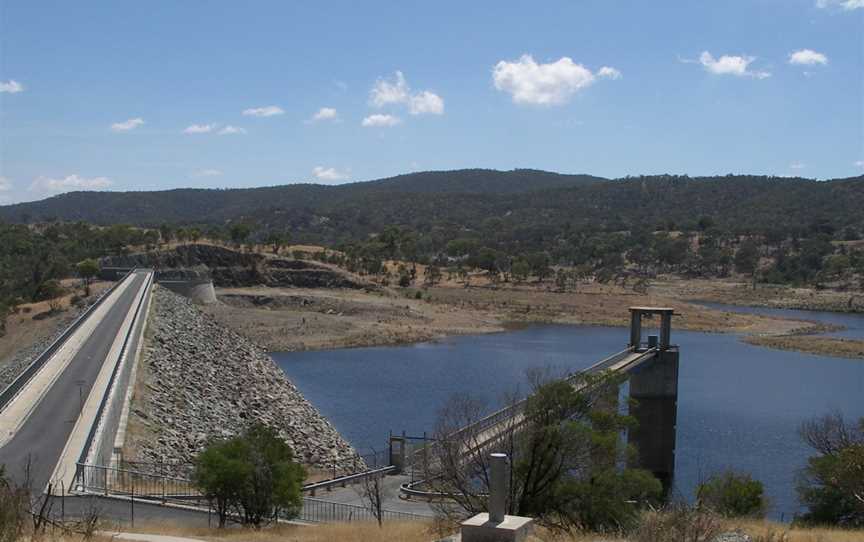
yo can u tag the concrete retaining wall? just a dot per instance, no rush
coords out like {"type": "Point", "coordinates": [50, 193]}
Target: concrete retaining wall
{"type": "Point", "coordinates": [198, 290]}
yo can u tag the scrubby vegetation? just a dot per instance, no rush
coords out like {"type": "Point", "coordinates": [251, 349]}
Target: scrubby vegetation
{"type": "Point", "coordinates": [732, 495]}
{"type": "Point", "coordinates": [832, 484]}
{"type": "Point", "coordinates": [34, 258]}
{"type": "Point", "coordinates": [252, 477]}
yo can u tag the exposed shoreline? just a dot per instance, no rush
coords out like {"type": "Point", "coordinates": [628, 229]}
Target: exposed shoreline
{"type": "Point", "coordinates": [285, 320]}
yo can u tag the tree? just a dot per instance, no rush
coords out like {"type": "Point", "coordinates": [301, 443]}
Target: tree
{"type": "Point", "coordinates": [732, 495]}
{"type": "Point", "coordinates": [565, 455]}
{"type": "Point", "coordinates": [520, 269]}
{"type": "Point", "coordinates": [433, 275]}
{"type": "Point", "coordinates": [252, 475]}
{"type": "Point", "coordinates": [277, 240]}
{"type": "Point", "coordinates": [240, 233]}
{"type": "Point", "coordinates": [87, 270]}
{"type": "Point", "coordinates": [832, 484]}
{"type": "Point", "coordinates": [165, 232]}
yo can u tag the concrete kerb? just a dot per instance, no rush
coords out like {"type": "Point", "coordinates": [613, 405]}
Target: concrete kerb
{"type": "Point", "coordinates": [106, 426]}
{"type": "Point", "coordinates": [17, 411]}
{"type": "Point", "coordinates": [120, 438]}
{"type": "Point", "coordinates": [66, 466]}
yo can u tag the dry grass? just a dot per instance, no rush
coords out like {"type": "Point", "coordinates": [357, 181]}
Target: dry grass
{"type": "Point", "coordinates": [22, 330]}
{"type": "Point", "coordinates": [760, 531]}
{"type": "Point", "coordinates": [766, 531]}
{"type": "Point", "coordinates": [348, 532]}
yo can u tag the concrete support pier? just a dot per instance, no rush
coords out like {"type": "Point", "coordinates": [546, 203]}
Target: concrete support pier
{"type": "Point", "coordinates": [654, 389]}
{"type": "Point", "coordinates": [497, 526]}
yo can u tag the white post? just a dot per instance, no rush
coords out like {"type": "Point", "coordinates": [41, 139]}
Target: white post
{"type": "Point", "coordinates": [497, 487]}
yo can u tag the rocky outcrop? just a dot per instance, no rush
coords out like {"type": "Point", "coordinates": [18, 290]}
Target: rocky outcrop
{"type": "Point", "coordinates": [199, 380]}
{"type": "Point", "coordinates": [232, 269]}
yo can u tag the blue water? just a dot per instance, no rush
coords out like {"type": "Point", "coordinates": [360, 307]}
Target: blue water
{"type": "Point", "coordinates": [739, 406]}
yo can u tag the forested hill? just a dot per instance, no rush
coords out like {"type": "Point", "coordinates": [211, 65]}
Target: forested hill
{"type": "Point", "coordinates": [217, 205]}
{"type": "Point", "coordinates": [535, 202]}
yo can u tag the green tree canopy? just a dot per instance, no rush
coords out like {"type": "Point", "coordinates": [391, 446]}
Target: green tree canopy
{"type": "Point", "coordinates": [252, 476]}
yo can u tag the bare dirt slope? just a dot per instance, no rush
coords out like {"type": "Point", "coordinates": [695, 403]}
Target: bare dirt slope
{"type": "Point", "coordinates": [308, 319]}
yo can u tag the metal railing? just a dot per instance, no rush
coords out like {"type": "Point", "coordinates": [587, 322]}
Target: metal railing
{"type": "Point", "coordinates": [344, 481]}
{"type": "Point", "coordinates": [11, 390]}
{"type": "Point", "coordinates": [100, 420]}
{"type": "Point", "coordinates": [518, 407]}
{"type": "Point", "coordinates": [160, 489]}
{"type": "Point", "coordinates": [319, 511]}
{"type": "Point", "coordinates": [111, 481]}
{"type": "Point", "coordinates": [511, 413]}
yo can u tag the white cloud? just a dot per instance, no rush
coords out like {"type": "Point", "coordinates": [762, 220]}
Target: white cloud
{"type": "Point", "coordinates": [425, 103]}
{"type": "Point", "coordinates": [330, 174]}
{"type": "Point", "coordinates": [12, 86]}
{"type": "Point", "coordinates": [71, 182]}
{"type": "Point", "coordinates": [738, 66]}
{"type": "Point", "coordinates": [807, 57]}
{"type": "Point", "coordinates": [229, 130]}
{"type": "Point", "coordinates": [553, 83]}
{"type": "Point", "coordinates": [127, 125]}
{"type": "Point", "coordinates": [269, 111]}
{"type": "Point", "coordinates": [381, 121]}
{"type": "Point", "coordinates": [397, 92]}
{"type": "Point", "coordinates": [199, 129]}
{"type": "Point", "coordinates": [5, 184]}
{"type": "Point", "coordinates": [207, 173]}
{"type": "Point", "coordinates": [859, 163]}
{"type": "Point", "coordinates": [609, 73]}
{"type": "Point", "coordinates": [325, 113]}
{"type": "Point", "coordinates": [386, 92]}
{"type": "Point", "coordinates": [797, 166]}
{"type": "Point", "coordinates": [847, 5]}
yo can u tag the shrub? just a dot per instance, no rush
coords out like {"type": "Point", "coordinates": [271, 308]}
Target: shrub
{"type": "Point", "coordinates": [832, 484]}
{"type": "Point", "coordinates": [678, 523]}
{"type": "Point", "coordinates": [48, 289]}
{"type": "Point", "coordinates": [732, 495]}
{"type": "Point", "coordinates": [253, 476]}
{"type": "Point", "coordinates": [13, 508]}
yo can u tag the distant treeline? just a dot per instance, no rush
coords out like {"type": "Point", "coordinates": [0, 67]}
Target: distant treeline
{"type": "Point", "coordinates": [33, 258]}
{"type": "Point", "coordinates": [515, 225]}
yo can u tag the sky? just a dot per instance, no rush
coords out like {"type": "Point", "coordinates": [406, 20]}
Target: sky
{"type": "Point", "coordinates": [164, 94]}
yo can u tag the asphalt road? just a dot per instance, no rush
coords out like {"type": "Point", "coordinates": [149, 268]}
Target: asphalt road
{"type": "Point", "coordinates": [44, 434]}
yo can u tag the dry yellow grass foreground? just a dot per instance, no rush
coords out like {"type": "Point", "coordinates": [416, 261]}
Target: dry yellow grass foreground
{"type": "Point", "coordinates": [760, 531]}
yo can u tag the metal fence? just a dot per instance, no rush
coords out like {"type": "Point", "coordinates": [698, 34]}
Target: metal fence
{"type": "Point", "coordinates": [111, 481]}
{"type": "Point", "coordinates": [160, 489]}
{"type": "Point", "coordinates": [319, 511]}
{"type": "Point", "coordinates": [99, 446]}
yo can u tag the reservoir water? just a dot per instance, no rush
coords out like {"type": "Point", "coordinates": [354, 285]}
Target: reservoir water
{"type": "Point", "coordinates": [739, 406]}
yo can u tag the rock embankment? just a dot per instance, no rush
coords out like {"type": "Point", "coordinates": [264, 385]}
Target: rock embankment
{"type": "Point", "coordinates": [198, 380]}
{"type": "Point", "coordinates": [230, 269]}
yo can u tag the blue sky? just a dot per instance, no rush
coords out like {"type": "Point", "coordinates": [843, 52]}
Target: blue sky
{"type": "Point", "coordinates": [164, 94]}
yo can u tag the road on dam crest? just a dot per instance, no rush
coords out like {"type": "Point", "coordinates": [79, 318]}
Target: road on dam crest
{"type": "Point", "coordinates": [42, 437]}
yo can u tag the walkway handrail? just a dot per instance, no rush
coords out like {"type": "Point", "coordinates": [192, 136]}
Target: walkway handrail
{"type": "Point", "coordinates": [517, 407]}
{"type": "Point", "coordinates": [98, 417]}
{"type": "Point", "coordinates": [344, 480]}
{"type": "Point", "coordinates": [12, 389]}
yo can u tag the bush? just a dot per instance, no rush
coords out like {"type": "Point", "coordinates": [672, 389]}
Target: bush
{"type": "Point", "coordinates": [251, 476]}
{"type": "Point", "coordinates": [678, 523]}
{"type": "Point", "coordinates": [732, 495]}
{"type": "Point", "coordinates": [832, 484]}
{"type": "Point", "coordinates": [13, 508]}
{"type": "Point", "coordinates": [48, 289]}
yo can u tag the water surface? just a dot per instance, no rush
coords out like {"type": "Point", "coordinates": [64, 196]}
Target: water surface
{"type": "Point", "coordinates": [739, 405]}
